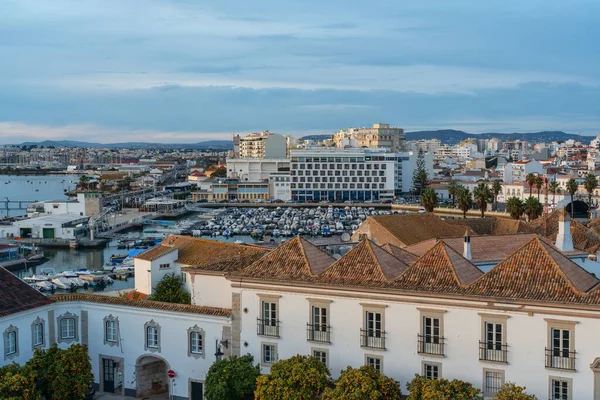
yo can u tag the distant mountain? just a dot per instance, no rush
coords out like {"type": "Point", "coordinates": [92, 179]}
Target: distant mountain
{"type": "Point", "coordinates": [451, 136]}
{"type": "Point", "coordinates": [316, 138]}
{"type": "Point", "coordinates": [204, 145]}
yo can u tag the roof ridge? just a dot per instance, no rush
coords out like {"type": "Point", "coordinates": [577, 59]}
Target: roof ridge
{"type": "Point", "coordinates": [306, 261]}
{"type": "Point", "coordinates": [449, 249]}
{"type": "Point", "coordinates": [445, 247]}
{"type": "Point", "coordinates": [371, 244]}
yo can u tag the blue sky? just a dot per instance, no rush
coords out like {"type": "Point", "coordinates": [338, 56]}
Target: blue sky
{"type": "Point", "coordinates": [186, 71]}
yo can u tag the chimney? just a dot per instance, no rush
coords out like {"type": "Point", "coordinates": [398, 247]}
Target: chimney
{"type": "Point", "coordinates": [467, 245]}
{"type": "Point", "coordinates": [564, 240]}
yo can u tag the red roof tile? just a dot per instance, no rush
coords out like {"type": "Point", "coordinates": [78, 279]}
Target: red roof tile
{"type": "Point", "coordinates": [17, 296]}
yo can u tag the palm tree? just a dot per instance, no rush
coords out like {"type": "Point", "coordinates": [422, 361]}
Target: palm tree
{"type": "Point", "coordinates": [554, 188]}
{"type": "Point", "coordinates": [515, 207]}
{"type": "Point", "coordinates": [533, 208]}
{"type": "Point", "coordinates": [464, 200]}
{"type": "Point", "coordinates": [538, 184]}
{"type": "Point", "coordinates": [429, 199]}
{"type": "Point", "coordinates": [590, 183]}
{"type": "Point", "coordinates": [453, 190]}
{"type": "Point", "coordinates": [83, 181]}
{"type": "Point", "coordinates": [482, 196]}
{"type": "Point", "coordinates": [530, 179]}
{"type": "Point", "coordinates": [572, 187]}
{"type": "Point", "coordinates": [496, 189]}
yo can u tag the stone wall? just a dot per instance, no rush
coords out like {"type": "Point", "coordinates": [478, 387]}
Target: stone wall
{"type": "Point", "coordinates": [151, 379]}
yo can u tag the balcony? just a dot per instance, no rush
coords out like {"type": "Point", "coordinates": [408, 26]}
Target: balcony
{"type": "Point", "coordinates": [493, 352]}
{"type": "Point", "coordinates": [318, 333]}
{"type": "Point", "coordinates": [267, 327]}
{"type": "Point", "coordinates": [429, 344]}
{"type": "Point", "coordinates": [372, 339]}
{"type": "Point", "coordinates": [560, 359]}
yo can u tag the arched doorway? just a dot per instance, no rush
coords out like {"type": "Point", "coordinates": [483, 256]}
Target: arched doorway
{"type": "Point", "coordinates": [151, 376]}
{"type": "Point", "coordinates": [580, 209]}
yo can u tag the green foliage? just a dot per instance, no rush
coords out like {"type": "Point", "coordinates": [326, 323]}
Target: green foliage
{"type": "Point", "coordinates": [54, 373]}
{"type": "Point", "coordinates": [295, 378]}
{"type": "Point", "coordinates": [590, 184]}
{"type": "Point", "coordinates": [429, 199]}
{"type": "Point", "coordinates": [510, 391]}
{"type": "Point", "coordinates": [420, 179]}
{"type": "Point", "coordinates": [572, 188]}
{"type": "Point", "coordinates": [533, 208]}
{"type": "Point", "coordinates": [539, 182]}
{"type": "Point", "coordinates": [482, 195]}
{"type": "Point", "coordinates": [364, 383]}
{"type": "Point", "coordinates": [464, 200]}
{"type": "Point", "coordinates": [453, 188]}
{"type": "Point", "coordinates": [421, 388]}
{"type": "Point", "coordinates": [555, 189]}
{"type": "Point", "coordinates": [515, 207]}
{"type": "Point", "coordinates": [530, 179]}
{"type": "Point", "coordinates": [220, 172]}
{"type": "Point", "coordinates": [232, 378]}
{"type": "Point", "coordinates": [170, 289]}
{"type": "Point", "coordinates": [496, 189]}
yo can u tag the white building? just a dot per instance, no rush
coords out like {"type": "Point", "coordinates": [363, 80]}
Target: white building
{"type": "Point", "coordinates": [280, 186]}
{"type": "Point", "coordinates": [86, 204]}
{"type": "Point", "coordinates": [378, 135]}
{"type": "Point", "coordinates": [256, 169]}
{"type": "Point", "coordinates": [260, 145]}
{"type": "Point", "coordinates": [518, 171]}
{"type": "Point", "coordinates": [426, 146]}
{"type": "Point", "coordinates": [55, 226]}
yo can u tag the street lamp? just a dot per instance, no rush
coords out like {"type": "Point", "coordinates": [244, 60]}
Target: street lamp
{"type": "Point", "coordinates": [218, 344]}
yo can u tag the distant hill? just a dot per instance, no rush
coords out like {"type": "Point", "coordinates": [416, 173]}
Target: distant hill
{"type": "Point", "coordinates": [204, 145]}
{"type": "Point", "coordinates": [451, 136]}
{"type": "Point", "coordinates": [316, 138]}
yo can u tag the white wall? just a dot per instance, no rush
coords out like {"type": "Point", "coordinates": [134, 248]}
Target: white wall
{"type": "Point", "coordinates": [209, 290]}
{"type": "Point", "coordinates": [149, 273]}
{"type": "Point", "coordinates": [275, 146]}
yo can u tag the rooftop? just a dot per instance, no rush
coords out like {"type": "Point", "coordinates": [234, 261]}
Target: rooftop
{"type": "Point", "coordinates": [17, 296]}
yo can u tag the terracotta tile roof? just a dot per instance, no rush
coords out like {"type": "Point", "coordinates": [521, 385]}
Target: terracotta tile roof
{"type": "Point", "coordinates": [537, 271]}
{"type": "Point", "coordinates": [157, 305]}
{"type": "Point", "coordinates": [583, 237]}
{"type": "Point", "coordinates": [483, 248]}
{"type": "Point", "coordinates": [422, 227]}
{"type": "Point", "coordinates": [401, 254]}
{"type": "Point", "coordinates": [17, 296]}
{"type": "Point", "coordinates": [441, 269]}
{"type": "Point", "coordinates": [295, 259]}
{"type": "Point", "coordinates": [204, 254]}
{"type": "Point", "coordinates": [365, 265]}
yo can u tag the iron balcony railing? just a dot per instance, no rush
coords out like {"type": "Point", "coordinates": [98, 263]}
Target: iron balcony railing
{"type": "Point", "coordinates": [560, 359]}
{"type": "Point", "coordinates": [492, 351]}
{"type": "Point", "coordinates": [267, 327]}
{"type": "Point", "coordinates": [318, 333]}
{"type": "Point", "coordinates": [372, 338]}
{"type": "Point", "coordinates": [430, 344]}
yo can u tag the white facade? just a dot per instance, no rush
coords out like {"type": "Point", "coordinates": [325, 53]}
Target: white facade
{"type": "Point", "coordinates": [255, 169]}
{"type": "Point", "coordinates": [518, 171]}
{"type": "Point", "coordinates": [280, 186]}
{"type": "Point", "coordinates": [261, 145]}
{"type": "Point", "coordinates": [409, 164]}
{"type": "Point", "coordinates": [57, 226]}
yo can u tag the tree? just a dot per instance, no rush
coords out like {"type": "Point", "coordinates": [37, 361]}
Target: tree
{"type": "Point", "coordinates": [453, 190]}
{"type": "Point", "coordinates": [590, 183]}
{"type": "Point", "coordinates": [421, 388]}
{"type": "Point", "coordinates": [170, 289]}
{"type": "Point", "coordinates": [297, 378]}
{"type": "Point", "coordinates": [496, 189]}
{"type": "Point", "coordinates": [510, 391]}
{"type": "Point", "coordinates": [533, 208]}
{"type": "Point", "coordinates": [429, 199]}
{"type": "Point", "coordinates": [464, 200]}
{"type": "Point", "coordinates": [420, 179]}
{"type": "Point", "coordinates": [515, 207]}
{"type": "Point", "coordinates": [530, 179]}
{"type": "Point", "coordinates": [538, 185]}
{"type": "Point", "coordinates": [554, 188]}
{"type": "Point", "coordinates": [572, 188]}
{"type": "Point", "coordinates": [232, 378]}
{"type": "Point", "coordinates": [83, 182]}
{"type": "Point", "coordinates": [482, 196]}
{"type": "Point", "coordinates": [220, 172]}
{"type": "Point", "coordinates": [363, 383]}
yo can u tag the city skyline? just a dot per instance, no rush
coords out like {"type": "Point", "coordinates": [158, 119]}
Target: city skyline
{"type": "Point", "coordinates": [175, 71]}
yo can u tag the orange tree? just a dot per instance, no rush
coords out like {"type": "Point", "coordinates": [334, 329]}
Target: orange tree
{"type": "Point", "coordinates": [295, 378]}
{"type": "Point", "coordinates": [421, 388]}
{"type": "Point", "coordinates": [17, 382]}
{"type": "Point", "coordinates": [232, 378]}
{"type": "Point", "coordinates": [510, 391]}
{"type": "Point", "coordinates": [364, 383]}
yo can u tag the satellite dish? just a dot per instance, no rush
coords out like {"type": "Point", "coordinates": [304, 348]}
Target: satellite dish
{"type": "Point", "coordinates": [345, 237]}
{"type": "Point", "coordinates": [337, 256]}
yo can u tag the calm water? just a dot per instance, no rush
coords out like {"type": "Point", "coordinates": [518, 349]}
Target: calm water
{"type": "Point", "coordinates": [23, 187]}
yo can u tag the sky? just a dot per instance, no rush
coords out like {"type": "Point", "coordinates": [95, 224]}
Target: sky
{"type": "Point", "coordinates": [178, 71]}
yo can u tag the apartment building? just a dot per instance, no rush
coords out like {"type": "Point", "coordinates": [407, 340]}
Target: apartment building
{"type": "Point", "coordinates": [336, 174]}
{"type": "Point", "coordinates": [256, 169]}
{"type": "Point", "coordinates": [260, 145]}
{"type": "Point", "coordinates": [426, 146]}
{"type": "Point", "coordinates": [379, 135]}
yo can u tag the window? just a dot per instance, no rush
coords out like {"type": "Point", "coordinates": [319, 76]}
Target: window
{"type": "Point", "coordinates": [492, 346]}
{"type": "Point", "coordinates": [268, 324]}
{"type": "Point", "coordinates": [560, 388]}
{"type": "Point", "coordinates": [431, 370]}
{"type": "Point", "coordinates": [269, 353]}
{"type": "Point", "coordinates": [67, 328]}
{"type": "Point", "coordinates": [318, 327]}
{"type": "Point", "coordinates": [431, 340]}
{"type": "Point", "coordinates": [11, 342]}
{"type": "Point", "coordinates": [493, 380]}
{"type": "Point", "coordinates": [560, 352]}
{"type": "Point", "coordinates": [37, 333]}
{"type": "Point", "coordinates": [111, 331]}
{"type": "Point", "coordinates": [373, 333]}
{"type": "Point", "coordinates": [195, 342]}
{"type": "Point", "coordinates": [321, 355]}
{"type": "Point", "coordinates": [375, 362]}
{"type": "Point", "coordinates": [164, 266]}
{"type": "Point", "coordinates": [152, 339]}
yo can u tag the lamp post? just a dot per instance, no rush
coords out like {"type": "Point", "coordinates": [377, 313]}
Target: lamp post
{"type": "Point", "coordinates": [218, 343]}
